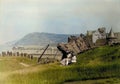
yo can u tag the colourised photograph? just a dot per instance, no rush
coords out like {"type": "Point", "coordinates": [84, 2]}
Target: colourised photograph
{"type": "Point", "coordinates": [59, 41]}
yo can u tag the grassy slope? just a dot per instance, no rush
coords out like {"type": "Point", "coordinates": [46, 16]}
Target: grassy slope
{"type": "Point", "coordinates": [8, 63]}
{"type": "Point", "coordinates": [94, 64]}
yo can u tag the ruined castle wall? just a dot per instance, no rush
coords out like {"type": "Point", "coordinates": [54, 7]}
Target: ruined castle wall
{"type": "Point", "coordinates": [117, 35]}
{"type": "Point", "coordinates": [99, 37]}
{"type": "Point", "coordinates": [75, 45]}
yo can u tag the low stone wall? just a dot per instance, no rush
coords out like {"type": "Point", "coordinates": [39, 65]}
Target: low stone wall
{"type": "Point", "coordinates": [50, 53]}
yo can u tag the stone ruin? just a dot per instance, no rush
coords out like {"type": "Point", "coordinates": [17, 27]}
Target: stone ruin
{"type": "Point", "coordinates": [74, 46]}
{"type": "Point", "coordinates": [82, 43]}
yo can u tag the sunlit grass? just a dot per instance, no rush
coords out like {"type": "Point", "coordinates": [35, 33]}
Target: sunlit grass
{"type": "Point", "coordinates": [96, 64]}
{"type": "Point", "coordinates": [8, 63]}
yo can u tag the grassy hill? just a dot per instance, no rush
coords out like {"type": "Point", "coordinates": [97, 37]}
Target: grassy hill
{"type": "Point", "coordinates": [97, 66]}
{"type": "Point", "coordinates": [42, 39]}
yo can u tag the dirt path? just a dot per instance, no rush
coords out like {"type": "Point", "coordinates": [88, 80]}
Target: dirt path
{"type": "Point", "coordinates": [4, 75]}
{"type": "Point", "coordinates": [26, 65]}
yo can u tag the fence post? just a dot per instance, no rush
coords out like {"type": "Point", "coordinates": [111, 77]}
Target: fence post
{"type": "Point", "coordinates": [43, 53]}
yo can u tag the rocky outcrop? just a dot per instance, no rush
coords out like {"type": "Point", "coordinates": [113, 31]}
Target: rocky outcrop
{"type": "Point", "coordinates": [75, 45]}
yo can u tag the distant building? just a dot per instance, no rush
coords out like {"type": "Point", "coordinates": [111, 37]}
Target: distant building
{"type": "Point", "coordinates": [89, 33]}
{"type": "Point", "coordinates": [36, 51]}
{"type": "Point", "coordinates": [113, 37]}
{"type": "Point", "coordinates": [99, 34]}
{"type": "Point", "coordinates": [117, 35]}
{"type": "Point", "coordinates": [100, 37]}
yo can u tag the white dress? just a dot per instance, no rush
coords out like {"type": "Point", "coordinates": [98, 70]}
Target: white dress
{"type": "Point", "coordinates": [74, 59]}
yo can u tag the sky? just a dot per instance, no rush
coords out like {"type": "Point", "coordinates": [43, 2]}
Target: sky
{"type": "Point", "coordinates": [20, 17]}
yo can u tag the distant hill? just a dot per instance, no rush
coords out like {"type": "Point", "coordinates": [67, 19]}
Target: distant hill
{"type": "Point", "coordinates": [37, 38]}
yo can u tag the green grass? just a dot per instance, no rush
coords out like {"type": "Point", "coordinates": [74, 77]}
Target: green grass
{"type": "Point", "coordinates": [98, 81]}
{"type": "Point", "coordinates": [100, 55]}
{"type": "Point", "coordinates": [102, 64]}
{"type": "Point", "coordinates": [8, 63]}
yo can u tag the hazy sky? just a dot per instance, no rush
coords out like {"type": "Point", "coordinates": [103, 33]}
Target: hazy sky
{"type": "Point", "coordinates": [20, 17]}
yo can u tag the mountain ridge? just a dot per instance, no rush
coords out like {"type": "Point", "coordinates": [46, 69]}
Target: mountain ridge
{"type": "Point", "coordinates": [43, 38]}
{"type": "Point", "coordinates": [37, 39]}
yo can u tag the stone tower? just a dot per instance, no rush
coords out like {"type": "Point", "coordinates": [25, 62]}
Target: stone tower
{"type": "Point", "coordinates": [111, 37]}
{"type": "Point", "coordinates": [111, 34]}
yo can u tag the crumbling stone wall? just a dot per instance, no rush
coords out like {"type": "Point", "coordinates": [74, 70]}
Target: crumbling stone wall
{"type": "Point", "coordinates": [75, 45]}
